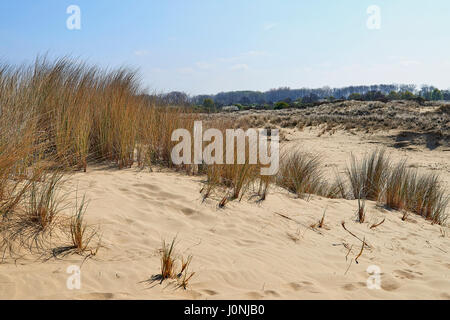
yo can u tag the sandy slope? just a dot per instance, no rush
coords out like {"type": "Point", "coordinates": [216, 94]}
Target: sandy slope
{"type": "Point", "coordinates": [248, 250]}
{"type": "Point", "coordinates": [336, 149]}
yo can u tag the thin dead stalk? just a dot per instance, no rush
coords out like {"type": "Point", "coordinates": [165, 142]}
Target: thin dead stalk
{"type": "Point", "coordinates": [360, 253]}
{"type": "Point", "coordinates": [378, 224]}
{"type": "Point", "coordinates": [364, 241]}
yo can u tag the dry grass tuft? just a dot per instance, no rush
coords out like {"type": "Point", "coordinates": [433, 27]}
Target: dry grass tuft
{"type": "Point", "coordinates": [43, 203]}
{"type": "Point", "coordinates": [81, 233]}
{"type": "Point", "coordinates": [169, 266]}
{"type": "Point", "coordinates": [301, 173]}
{"type": "Point", "coordinates": [35, 218]}
{"type": "Point", "coordinates": [168, 261]}
{"type": "Point", "coordinates": [184, 276]}
{"type": "Point", "coordinates": [264, 185]}
{"type": "Point", "coordinates": [223, 202]}
{"type": "Point", "coordinates": [322, 221]}
{"type": "Point", "coordinates": [368, 177]}
{"type": "Point", "coordinates": [240, 177]}
{"type": "Point", "coordinates": [361, 210]}
{"type": "Point", "coordinates": [405, 215]}
{"type": "Point", "coordinates": [422, 194]}
{"type": "Point", "coordinates": [398, 186]}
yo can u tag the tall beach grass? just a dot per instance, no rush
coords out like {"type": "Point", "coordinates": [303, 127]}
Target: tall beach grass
{"type": "Point", "coordinates": [61, 115]}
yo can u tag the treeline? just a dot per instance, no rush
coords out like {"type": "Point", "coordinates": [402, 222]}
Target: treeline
{"type": "Point", "coordinates": [305, 95]}
{"type": "Point", "coordinates": [283, 94]}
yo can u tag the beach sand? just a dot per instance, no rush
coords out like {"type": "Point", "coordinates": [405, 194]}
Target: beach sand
{"type": "Point", "coordinates": [248, 250]}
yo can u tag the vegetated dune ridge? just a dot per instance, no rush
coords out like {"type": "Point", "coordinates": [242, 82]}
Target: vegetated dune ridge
{"type": "Point", "coordinates": [248, 250]}
{"type": "Point", "coordinates": [427, 123]}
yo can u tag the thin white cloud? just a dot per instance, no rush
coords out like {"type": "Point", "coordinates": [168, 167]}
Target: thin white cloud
{"type": "Point", "coordinates": [141, 53]}
{"type": "Point", "coordinates": [156, 70]}
{"type": "Point", "coordinates": [187, 70]}
{"type": "Point", "coordinates": [404, 61]}
{"type": "Point", "coordinates": [255, 53]}
{"type": "Point", "coordinates": [240, 67]}
{"type": "Point", "coordinates": [409, 63]}
{"type": "Point", "coordinates": [251, 53]}
{"type": "Point", "coordinates": [234, 63]}
{"type": "Point", "coordinates": [392, 58]}
{"type": "Point", "coordinates": [326, 64]}
{"type": "Point", "coordinates": [269, 26]}
{"type": "Point", "coordinates": [204, 65]}
{"type": "Point", "coordinates": [229, 59]}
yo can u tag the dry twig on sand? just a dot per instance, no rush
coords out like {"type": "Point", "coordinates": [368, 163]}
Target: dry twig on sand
{"type": "Point", "coordinates": [360, 253]}
{"type": "Point", "coordinates": [377, 224]}
{"type": "Point", "coordinates": [364, 241]}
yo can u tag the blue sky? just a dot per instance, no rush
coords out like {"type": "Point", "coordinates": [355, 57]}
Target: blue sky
{"type": "Point", "coordinates": [207, 46]}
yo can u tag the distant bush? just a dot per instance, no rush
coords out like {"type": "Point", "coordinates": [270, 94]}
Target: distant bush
{"type": "Point", "coordinates": [208, 104]}
{"type": "Point", "coordinates": [355, 96]}
{"type": "Point", "coordinates": [393, 95]}
{"type": "Point", "coordinates": [407, 95]}
{"type": "Point", "coordinates": [374, 96]}
{"type": "Point", "coordinates": [281, 105]}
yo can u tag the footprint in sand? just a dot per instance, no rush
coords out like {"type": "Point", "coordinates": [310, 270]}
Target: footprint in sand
{"type": "Point", "coordinates": [411, 262]}
{"type": "Point", "coordinates": [146, 186]}
{"type": "Point", "coordinates": [445, 295]}
{"type": "Point", "coordinates": [271, 293]}
{"type": "Point", "coordinates": [406, 274]}
{"type": "Point", "coordinates": [349, 287]}
{"type": "Point", "coordinates": [389, 285]}
{"type": "Point", "coordinates": [303, 286]}
{"type": "Point", "coordinates": [255, 295]}
{"type": "Point", "coordinates": [188, 211]}
{"type": "Point", "coordinates": [209, 292]}
{"type": "Point", "coordinates": [8, 287]}
{"type": "Point", "coordinates": [96, 295]}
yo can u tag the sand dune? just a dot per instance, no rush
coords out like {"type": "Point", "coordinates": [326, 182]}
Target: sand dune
{"type": "Point", "coordinates": [247, 250]}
